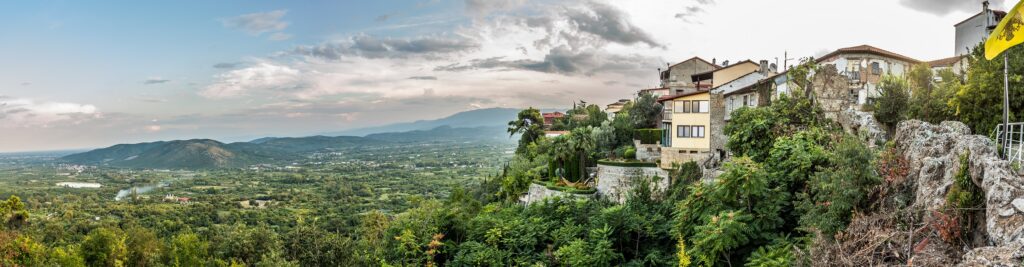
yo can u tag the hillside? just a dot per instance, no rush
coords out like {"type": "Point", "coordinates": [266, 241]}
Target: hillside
{"type": "Point", "coordinates": [210, 154]}
{"type": "Point", "coordinates": [490, 117]}
{"type": "Point", "coordinates": [179, 154]}
{"type": "Point", "coordinates": [447, 133]}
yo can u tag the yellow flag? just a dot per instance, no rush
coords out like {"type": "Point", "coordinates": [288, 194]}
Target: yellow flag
{"type": "Point", "coordinates": [1008, 34]}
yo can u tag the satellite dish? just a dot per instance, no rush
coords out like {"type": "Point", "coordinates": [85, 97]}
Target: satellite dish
{"type": "Point", "coordinates": [725, 63]}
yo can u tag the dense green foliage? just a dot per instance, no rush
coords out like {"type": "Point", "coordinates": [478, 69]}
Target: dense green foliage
{"type": "Point", "coordinates": [891, 106]}
{"type": "Point", "coordinates": [806, 177]}
{"type": "Point", "coordinates": [529, 125]}
{"type": "Point", "coordinates": [647, 136]}
{"type": "Point", "coordinates": [645, 111]}
{"type": "Point", "coordinates": [979, 103]}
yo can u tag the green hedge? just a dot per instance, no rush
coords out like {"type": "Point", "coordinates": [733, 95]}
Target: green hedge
{"type": "Point", "coordinates": [572, 190]}
{"type": "Point", "coordinates": [647, 136]}
{"type": "Point", "coordinates": [627, 163]}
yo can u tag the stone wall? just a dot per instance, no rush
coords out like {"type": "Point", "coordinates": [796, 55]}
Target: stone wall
{"type": "Point", "coordinates": [671, 155]}
{"type": "Point", "coordinates": [539, 193]}
{"type": "Point", "coordinates": [717, 133]}
{"type": "Point", "coordinates": [831, 91]}
{"type": "Point", "coordinates": [647, 152]}
{"type": "Point", "coordinates": [933, 153]}
{"type": "Point", "coordinates": [614, 182]}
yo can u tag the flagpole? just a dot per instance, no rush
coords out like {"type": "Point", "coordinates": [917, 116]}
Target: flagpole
{"type": "Point", "coordinates": [1006, 103]}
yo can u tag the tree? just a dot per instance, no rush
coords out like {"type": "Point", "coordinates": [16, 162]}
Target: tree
{"type": "Point", "coordinates": [979, 103]}
{"type": "Point", "coordinates": [187, 249]}
{"type": "Point", "coordinates": [144, 248]}
{"type": "Point", "coordinates": [605, 139]}
{"type": "Point", "coordinates": [836, 191]}
{"type": "Point", "coordinates": [582, 141]}
{"type": "Point", "coordinates": [104, 247]}
{"type": "Point", "coordinates": [751, 132]}
{"type": "Point", "coordinates": [801, 75]}
{"type": "Point", "coordinates": [645, 111]}
{"type": "Point", "coordinates": [891, 106]}
{"type": "Point", "coordinates": [530, 124]}
{"type": "Point", "coordinates": [920, 79]}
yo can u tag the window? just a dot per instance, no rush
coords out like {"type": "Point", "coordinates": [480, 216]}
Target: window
{"type": "Point", "coordinates": [876, 68]}
{"type": "Point", "coordinates": [692, 106]}
{"type": "Point", "coordinates": [690, 131]}
{"type": "Point", "coordinates": [745, 101]}
{"type": "Point", "coordinates": [704, 106]}
{"type": "Point", "coordinates": [684, 106]}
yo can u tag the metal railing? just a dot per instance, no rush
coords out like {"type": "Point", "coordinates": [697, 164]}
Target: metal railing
{"type": "Point", "coordinates": [1014, 147]}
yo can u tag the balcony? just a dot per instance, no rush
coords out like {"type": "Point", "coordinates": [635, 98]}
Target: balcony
{"type": "Point", "coordinates": [852, 76]}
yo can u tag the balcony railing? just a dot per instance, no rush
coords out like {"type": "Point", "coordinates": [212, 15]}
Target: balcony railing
{"type": "Point", "coordinates": [1013, 147]}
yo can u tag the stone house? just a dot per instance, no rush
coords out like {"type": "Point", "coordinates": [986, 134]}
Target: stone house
{"type": "Point", "coordinates": [864, 65]}
{"type": "Point", "coordinates": [677, 78]}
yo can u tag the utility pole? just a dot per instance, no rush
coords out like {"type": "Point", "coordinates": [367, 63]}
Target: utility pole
{"type": "Point", "coordinates": [1006, 104]}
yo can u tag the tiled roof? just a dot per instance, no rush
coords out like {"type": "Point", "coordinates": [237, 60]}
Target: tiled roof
{"type": "Point", "coordinates": [945, 62]}
{"type": "Point", "coordinates": [867, 49]}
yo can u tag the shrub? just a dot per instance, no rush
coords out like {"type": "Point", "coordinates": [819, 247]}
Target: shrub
{"type": "Point", "coordinates": [647, 136]}
{"type": "Point", "coordinates": [835, 192]}
{"type": "Point", "coordinates": [630, 153]}
{"type": "Point", "coordinates": [891, 106]}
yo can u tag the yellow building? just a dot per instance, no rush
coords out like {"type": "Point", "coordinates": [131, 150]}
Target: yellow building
{"type": "Point", "coordinates": [687, 133]}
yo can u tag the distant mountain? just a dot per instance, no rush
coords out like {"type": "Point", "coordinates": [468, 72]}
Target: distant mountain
{"type": "Point", "coordinates": [209, 154]}
{"type": "Point", "coordinates": [476, 125]}
{"type": "Point", "coordinates": [447, 133]}
{"type": "Point", "coordinates": [179, 154]}
{"type": "Point", "coordinates": [488, 117]}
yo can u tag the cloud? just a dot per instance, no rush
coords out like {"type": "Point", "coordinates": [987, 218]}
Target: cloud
{"type": "Point", "coordinates": [431, 78]}
{"type": "Point", "coordinates": [943, 7]}
{"type": "Point", "coordinates": [610, 24]}
{"type": "Point", "coordinates": [258, 23]}
{"type": "Point", "coordinates": [262, 76]}
{"type": "Point", "coordinates": [227, 65]}
{"type": "Point", "coordinates": [563, 60]}
{"type": "Point", "coordinates": [382, 18]}
{"type": "Point", "coordinates": [373, 47]}
{"type": "Point", "coordinates": [26, 84]}
{"type": "Point", "coordinates": [690, 11]}
{"type": "Point", "coordinates": [155, 80]}
{"type": "Point", "coordinates": [26, 113]}
{"type": "Point", "coordinates": [485, 7]}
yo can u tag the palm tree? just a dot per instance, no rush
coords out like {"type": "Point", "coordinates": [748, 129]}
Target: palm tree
{"type": "Point", "coordinates": [530, 124]}
{"type": "Point", "coordinates": [582, 142]}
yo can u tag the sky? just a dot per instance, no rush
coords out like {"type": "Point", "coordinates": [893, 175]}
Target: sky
{"type": "Point", "coordinates": [88, 74]}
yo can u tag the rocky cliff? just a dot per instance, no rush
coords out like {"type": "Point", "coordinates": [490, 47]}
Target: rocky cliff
{"type": "Point", "coordinates": [906, 224]}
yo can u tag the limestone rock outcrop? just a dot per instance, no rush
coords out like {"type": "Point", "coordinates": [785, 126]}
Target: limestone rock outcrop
{"type": "Point", "coordinates": [934, 151]}
{"type": "Point", "coordinates": [864, 126]}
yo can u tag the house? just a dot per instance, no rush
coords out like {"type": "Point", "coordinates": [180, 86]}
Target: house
{"type": "Point", "coordinates": [974, 30]}
{"type": "Point", "coordinates": [676, 79]}
{"type": "Point", "coordinates": [863, 66]}
{"type": "Point", "coordinates": [687, 121]}
{"type": "Point", "coordinates": [614, 108]}
{"type": "Point", "coordinates": [656, 92]}
{"type": "Point", "coordinates": [742, 92]}
{"type": "Point", "coordinates": [550, 117]}
{"type": "Point", "coordinates": [955, 64]}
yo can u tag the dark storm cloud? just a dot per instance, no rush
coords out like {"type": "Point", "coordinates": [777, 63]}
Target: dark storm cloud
{"type": "Point", "coordinates": [562, 60]}
{"type": "Point", "coordinates": [374, 47]}
{"type": "Point", "coordinates": [610, 24]}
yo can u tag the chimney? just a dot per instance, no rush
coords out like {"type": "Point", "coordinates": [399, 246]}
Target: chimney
{"type": "Point", "coordinates": [764, 67]}
{"type": "Point", "coordinates": [714, 61]}
{"type": "Point", "coordinates": [984, 6]}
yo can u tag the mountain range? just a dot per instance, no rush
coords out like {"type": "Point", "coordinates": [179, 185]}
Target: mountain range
{"type": "Point", "coordinates": [488, 117]}
{"type": "Point", "coordinates": [487, 125]}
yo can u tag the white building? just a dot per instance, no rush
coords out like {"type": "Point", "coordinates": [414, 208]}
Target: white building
{"type": "Point", "coordinates": [974, 30]}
